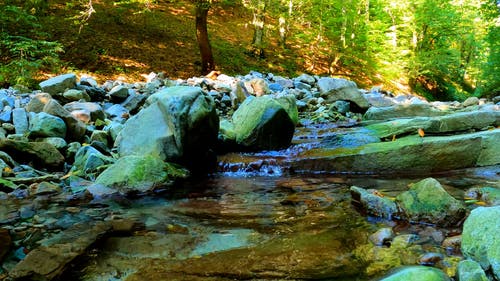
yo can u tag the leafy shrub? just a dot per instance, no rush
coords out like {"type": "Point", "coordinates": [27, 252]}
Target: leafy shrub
{"type": "Point", "coordinates": [24, 52]}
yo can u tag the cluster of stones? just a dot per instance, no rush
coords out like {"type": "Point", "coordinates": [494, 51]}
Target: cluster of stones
{"type": "Point", "coordinates": [428, 202]}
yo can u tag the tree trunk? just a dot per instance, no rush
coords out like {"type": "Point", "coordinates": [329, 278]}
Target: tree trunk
{"type": "Point", "coordinates": [258, 24]}
{"type": "Point", "coordinates": [207, 59]}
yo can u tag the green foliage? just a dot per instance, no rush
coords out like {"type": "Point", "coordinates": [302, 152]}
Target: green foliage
{"type": "Point", "coordinates": [24, 51]}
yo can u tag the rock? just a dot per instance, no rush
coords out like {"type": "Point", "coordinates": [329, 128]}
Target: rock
{"type": "Point", "coordinates": [487, 194]}
{"type": "Point", "coordinates": [45, 125]}
{"type": "Point", "coordinates": [76, 95]}
{"type": "Point", "coordinates": [117, 112]}
{"type": "Point", "coordinates": [38, 102]}
{"type": "Point", "coordinates": [59, 84]}
{"type": "Point", "coordinates": [20, 120]}
{"type": "Point", "coordinates": [49, 261]}
{"type": "Point", "coordinates": [6, 115]}
{"type": "Point", "coordinates": [93, 110]}
{"type": "Point", "coordinates": [139, 174]}
{"type": "Point", "coordinates": [421, 273]}
{"type": "Point", "coordinates": [427, 201]}
{"type": "Point", "coordinates": [303, 255]}
{"type": "Point", "coordinates": [372, 203]}
{"type": "Point", "coordinates": [118, 94]}
{"type": "Point", "coordinates": [382, 236]}
{"type": "Point", "coordinates": [88, 160]}
{"type": "Point", "coordinates": [402, 111]}
{"type": "Point", "coordinates": [289, 103]}
{"type": "Point", "coordinates": [259, 87]}
{"type": "Point", "coordinates": [95, 93]}
{"type": "Point", "coordinates": [469, 270]}
{"type": "Point", "coordinates": [306, 78]}
{"type": "Point", "coordinates": [180, 125]}
{"type": "Point", "coordinates": [5, 243]}
{"type": "Point", "coordinates": [88, 81]}
{"type": "Point", "coordinates": [354, 139]}
{"type": "Point", "coordinates": [480, 238]}
{"type": "Point", "coordinates": [133, 102]}
{"type": "Point", "coordinates": [43, 155]}
{"type": "Point", "coordinates": [238, 94]}
{"type": "Point", "coordinates": [75, 128]}
{"type": "Point", "coordinates": [470, 101]}
{"type": "Point", "coordinates": [334, 89]}
{"type": "Point", "coordinates": [408, 155]}
{"type": "Point", "coordinates": [58, 143]}
{"type": "Point", "coordinates": [262, 123]}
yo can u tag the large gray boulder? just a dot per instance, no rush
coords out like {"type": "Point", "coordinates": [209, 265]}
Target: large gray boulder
{"type": "Point", "coordinates": [57, 85]}
{"type": "Point", "coordinates": [262, 123]}
{"type": "Point", "coordinates": [139, 174]}
{"type": "Point", "coordinates": [45, 125]}
{"type": "Point", "coordinates": [334, 89]}
{"type": "Point", "coordinates": [180, 125]}
{"type": "Point", "coordinates": [480, 238]}
{"type": "Point", "coordinates": [427, 201]}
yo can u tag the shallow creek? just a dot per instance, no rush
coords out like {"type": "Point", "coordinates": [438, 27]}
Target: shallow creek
{"type": "Point", "coordinates": [256, 220]}
{"type": "Point", "coordinates": [253, 219]}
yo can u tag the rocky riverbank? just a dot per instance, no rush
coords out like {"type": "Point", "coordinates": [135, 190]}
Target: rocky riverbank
{"type": "Point", "coordinates": [76, 142]}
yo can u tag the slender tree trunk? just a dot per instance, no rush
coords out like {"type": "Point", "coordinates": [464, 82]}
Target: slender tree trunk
{"type": "Point", "coordinates": [207, 59]}
{"type": "Point", "coordinates": [258, 24]}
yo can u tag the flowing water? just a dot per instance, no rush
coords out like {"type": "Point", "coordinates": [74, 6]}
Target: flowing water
{"type": "Point", "coordinates": [256, 220]}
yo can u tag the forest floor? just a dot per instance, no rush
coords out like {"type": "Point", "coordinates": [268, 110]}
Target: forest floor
{"type": "Point", "coordinates": [123, 40]}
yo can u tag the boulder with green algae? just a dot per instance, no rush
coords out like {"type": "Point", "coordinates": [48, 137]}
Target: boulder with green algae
{"type": "Point", "coordinates": [420, 273]}
{"type": "Point", "coordinates": [480, 238]}
{"type": "Point", "coordinates": [262, 123]}
{"type": "Point", "coordinates": [408, 155]}
{"type": "Point", "coordinates": [469, 270]}
{"type": "Point", "coordinates": [180, 125]}
{"type": "Point", "coordinates": [427, 201]}
{"type": "Point", "coordinates": [139, 173]}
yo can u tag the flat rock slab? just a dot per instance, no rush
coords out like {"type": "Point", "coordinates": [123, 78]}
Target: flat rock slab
{"type": "Point", "coordinates": [49, 260]}
{"type": "Point", "coordinates": [409, 155]}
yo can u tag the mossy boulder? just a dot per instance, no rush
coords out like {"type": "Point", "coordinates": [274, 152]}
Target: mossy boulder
{"type": "Point", "coordinates": [480, 238]}
{"type": "Point", "coordinates": [180, 125]}
{"type": "Point", "coordinates": [427, 201]}
{"type": "Point", "coordinates": [262, 123]}
{"type": "Point", "coordinates": [139, 174]}
{"type": "Point", "coordinates": [469, 270]}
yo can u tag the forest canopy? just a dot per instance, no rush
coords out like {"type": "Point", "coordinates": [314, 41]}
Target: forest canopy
{"type": "Point", "coordinates": [441, 49]}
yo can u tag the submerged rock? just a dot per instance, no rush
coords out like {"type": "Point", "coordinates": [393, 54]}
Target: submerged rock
{"type": "Point", "coordinates": [427, 201]}
{"type": "Point", "coordinates": [372, 203]}
{"type": "Point", "coordinates": [421, 273]}
{"type": "Point", "coordinates": [299, 256]}
{"type": "Point", "coordinates": [480, 238]}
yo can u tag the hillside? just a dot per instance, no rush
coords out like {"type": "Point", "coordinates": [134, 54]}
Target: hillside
{"type": "Point", "coordinates": [128, 40]}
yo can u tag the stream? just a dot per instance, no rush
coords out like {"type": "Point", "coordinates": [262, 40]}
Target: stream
{"type": "Point", "coordinates": [254, 219]}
